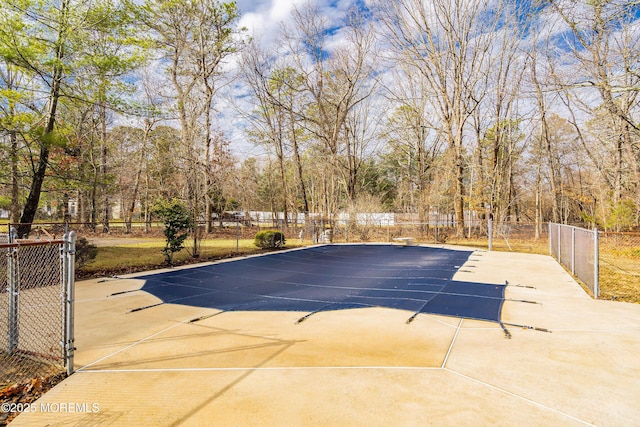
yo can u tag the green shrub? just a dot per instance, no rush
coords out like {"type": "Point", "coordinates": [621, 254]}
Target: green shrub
{"type": "Point", "coordinates": [269, 239]}
{"type": "Point", "coordinates": [85, 251]}
{"type": "Point", "coordinates": [177, 225]}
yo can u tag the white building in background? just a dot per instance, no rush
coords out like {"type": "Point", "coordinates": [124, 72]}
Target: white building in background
{"type": "Point", "coordinates": [53, 208]}
{"type": "Point", "coordinates": [73, 207]}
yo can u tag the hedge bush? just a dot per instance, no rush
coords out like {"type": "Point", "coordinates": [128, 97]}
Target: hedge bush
{"type": "Point", "coordinates": [269, 239]}
{"type": "Point", "coordinates": [85, 251]}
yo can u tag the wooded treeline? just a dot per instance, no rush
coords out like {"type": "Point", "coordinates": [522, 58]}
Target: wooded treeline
{"type": "Point", "coordinates": [519, 111]}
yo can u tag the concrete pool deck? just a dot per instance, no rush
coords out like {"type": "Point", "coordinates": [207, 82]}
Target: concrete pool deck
{"type": "Point", "coordinates": [367, 366]}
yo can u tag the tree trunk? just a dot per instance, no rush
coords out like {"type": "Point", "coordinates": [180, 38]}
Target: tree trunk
{"type": "Point", "coordinates": [104, 169]}
{"type": "Point", "coordinates": [208, 208]}
{"type": "Point", "coordinates": [283, 180]}
{"type": "Point", "coordinates": [15, 189]}
{"type": "Point", "coordinates": [31, 205]}
{"type": "Point", "coordinates": [33, 199]}
{"type": "Point", "coordinates": [296, 157]}
{"type": "Point", "coordinates": [538, 205]}
{"type": "Point", "coordinates": [136, 185]}
{"type": "Point", "coordinates": [545, 139]}
{"type": "Point", "coordinates": [459, 197]}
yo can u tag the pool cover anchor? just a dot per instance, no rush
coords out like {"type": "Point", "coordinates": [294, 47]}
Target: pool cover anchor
{"type": "Point", "coordinates": [206, 316]}
{"type": "Point", "coordinates": [533, 328]}
{"type": "Point", "coordinates": [144, 308]}
{"type": "Point", "coordinates": [506, 283]}
{"type": "Point", "coordinates": [306, 316]}
{"type": "Point", "coordinates": [124, 292]}
{"type": "Point", "coordinates": [507, 334]}
{"type": "Point", "coordinates": [413, 317]}
{"type": "Point", "coordinates": [108, 279]}
{"type": "Point", "coordinates": [523, 300]}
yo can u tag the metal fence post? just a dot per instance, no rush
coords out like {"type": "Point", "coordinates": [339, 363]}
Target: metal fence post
{"type": "Point", "coordinates": [388, 231]}
{"type": "Point", "coordinates": [64, 292]}
{"type": "Point", "coordinates": [346, 231]}
{"type": "Point", "coordinates": [237, 235]}
{"type": "Point", "coordinates": [69, 280]}
{"type": "Point", "coordinates": [490, 232]}
{"type": "Point", "coordinates": [596, 263]}
{"type": "Point", "coordinates": [559, 229]}
{"type": "Point", "coordinates": [573, 250]}
{"type": "Point", "coordinates": [13, 291]}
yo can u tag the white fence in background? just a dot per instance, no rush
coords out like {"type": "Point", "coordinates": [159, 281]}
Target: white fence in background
{"type": "Point", "coordinates": [389, 219]}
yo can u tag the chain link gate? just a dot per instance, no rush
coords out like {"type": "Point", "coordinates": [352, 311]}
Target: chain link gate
{"type": "Point", "coordinates": [37, 279]}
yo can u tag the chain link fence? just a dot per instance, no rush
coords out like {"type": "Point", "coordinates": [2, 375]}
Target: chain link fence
{"type": "Point", "coordinates": [527, 237]}
{"type": "Point", "coordinates": [607, 263]}
{"type": "Point", "coordinates": [577, 250]}
{"type": "Point", "coordinates": [36, 302]}
{"type": "Point", "coordinates": [620, 266]}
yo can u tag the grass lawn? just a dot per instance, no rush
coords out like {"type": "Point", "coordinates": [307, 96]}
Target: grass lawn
{"type": "Point", "coordinates": [616, 283]}
{"type": "Point", "coordinates": [619, 276]}
{"type": "Point", "coordinates": [540, 246]}
{"type": "Point", "coordinates": [132, 257]}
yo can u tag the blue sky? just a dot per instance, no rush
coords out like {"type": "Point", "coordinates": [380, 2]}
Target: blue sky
{"type": "Point", "coordinates": [264, 20]}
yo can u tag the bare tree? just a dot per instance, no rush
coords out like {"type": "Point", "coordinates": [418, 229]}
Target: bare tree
{"type": "Point", "coordinates": [312, 95]}
{"type": "Point", "coordinates": [602, 51]}
{"type": "Point", "coordinates": [152, 117]}
{"type": "Point", "coordinates": [544, 139]}
{"type": "Point", "coordinates": [448, 44]}
{"type": "Point", "coordinates": [502, 86]}
{"type": "Point", "coordinates": [195, 38]}
{"type": "Point", "coordinates": [335, 81]}
{"type": "Point", "coordinates": [12, 122]}
{"type": "Point", "coordinates": [274, 123]}
{"type": "Point", "coordinates": [411, 137]}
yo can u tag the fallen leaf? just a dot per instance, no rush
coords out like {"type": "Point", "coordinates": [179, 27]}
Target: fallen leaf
{"type": "Point", "coordinates": [12, 390]}
{"type": "Point", "coordinates": [36, 384]}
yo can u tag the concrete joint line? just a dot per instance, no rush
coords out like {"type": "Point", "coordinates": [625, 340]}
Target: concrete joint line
{"type": "Point", "coordinates": [183, 322]}
{"type": "Point", "coordinates": [532, 402]}
{"type": "Point", "coordinates": [262, 369]}
{"type": "Point", "coordinates": [444, 363]}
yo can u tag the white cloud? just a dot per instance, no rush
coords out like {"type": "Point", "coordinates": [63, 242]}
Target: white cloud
{"type": "Point", "coordinates": [263, 19]}
{"type": "Point", "coordinates": [281, 9]}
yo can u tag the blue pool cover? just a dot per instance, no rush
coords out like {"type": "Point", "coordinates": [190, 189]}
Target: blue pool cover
{"type": "Point", "coordinates": [335, 277]}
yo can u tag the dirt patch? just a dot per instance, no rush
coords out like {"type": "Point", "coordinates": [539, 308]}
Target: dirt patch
{"type": "Point", "coordinates": [16, 398]}
{"type": "Point", "coordinates": [21, 368]}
